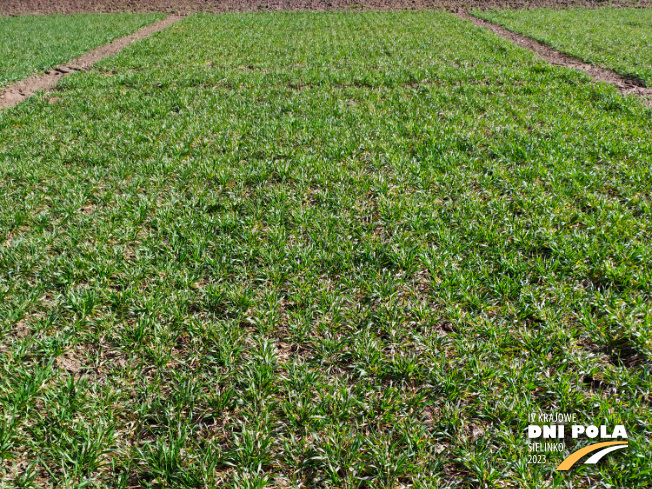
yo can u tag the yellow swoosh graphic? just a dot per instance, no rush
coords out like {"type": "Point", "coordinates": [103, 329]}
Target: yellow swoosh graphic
{"type": "Point", "coordinates": [575, 456]}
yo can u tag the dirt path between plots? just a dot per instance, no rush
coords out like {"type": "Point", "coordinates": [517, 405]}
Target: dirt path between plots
{"type": "Point", "coordinates": [17, 92]}
{"type": "Point", "coordinates": [626, 86]}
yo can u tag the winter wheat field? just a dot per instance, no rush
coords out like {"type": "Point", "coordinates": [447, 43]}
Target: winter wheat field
{"type": "Point", "coordinates": [370, 246]}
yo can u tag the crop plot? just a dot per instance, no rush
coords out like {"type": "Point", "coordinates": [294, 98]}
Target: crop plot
{"type": "Point", "coordinates": [36, 43]}
{"type": "Point", "coordinates": [618, 39]}
{"type": "Point", "coordinates": [336, 250]}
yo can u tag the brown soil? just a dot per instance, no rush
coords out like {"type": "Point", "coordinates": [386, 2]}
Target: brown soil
{"type": "Point", "coordinates": [18, 7]}
{"type": "Point", "coordinates": [625, 85]}
{"type": "Point", "coordinates": [19, 91]}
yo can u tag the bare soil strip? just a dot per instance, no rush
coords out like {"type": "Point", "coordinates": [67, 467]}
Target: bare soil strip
{"type": "Point", "coordinates": [17, 92]}
{"type": "Point", "coordinates": [626, 86]}
{"type": "Point", "coordinates": [21, 7]}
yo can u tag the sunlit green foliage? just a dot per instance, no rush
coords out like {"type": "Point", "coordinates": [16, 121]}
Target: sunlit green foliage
{"type": "Point", "coordinates": [336, 250]}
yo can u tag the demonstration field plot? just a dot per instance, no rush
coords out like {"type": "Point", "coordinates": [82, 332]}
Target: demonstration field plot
{"type": "Point", "coordinates": [36, 43]}
{"type": "Point", "coordinates": [618, 39]}
{"type": "Point", "coordinates": [342, 250]}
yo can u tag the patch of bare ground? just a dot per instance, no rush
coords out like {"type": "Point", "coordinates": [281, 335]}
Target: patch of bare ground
{"type": "Point", "coordinates": [626, 86]}
{"type": "Point", "coordinates": [20, 7]}
{"type": "Point", "coordinates": [17, 92]}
